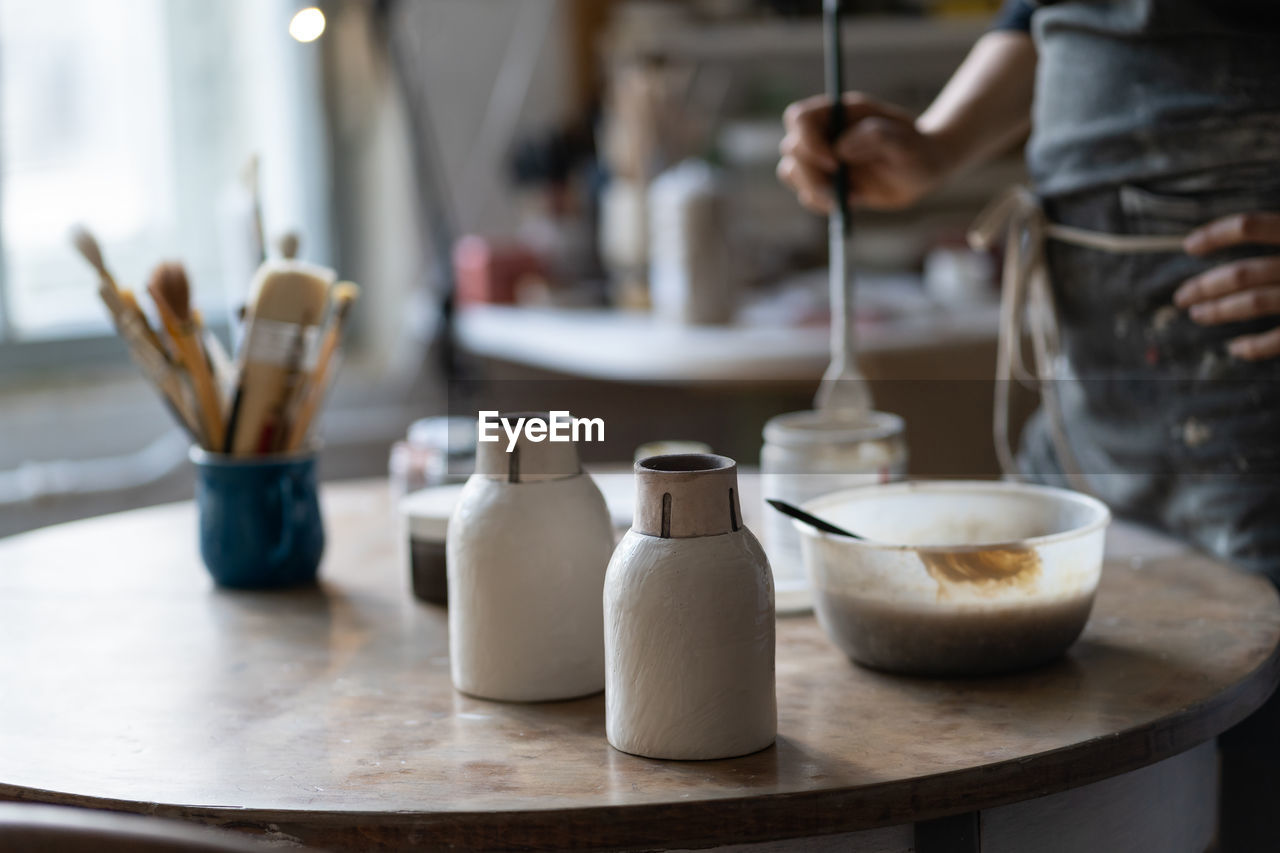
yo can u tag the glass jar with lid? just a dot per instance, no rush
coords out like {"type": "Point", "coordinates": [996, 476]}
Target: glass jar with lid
{"type": "Point", "coordinates": [808, 454]}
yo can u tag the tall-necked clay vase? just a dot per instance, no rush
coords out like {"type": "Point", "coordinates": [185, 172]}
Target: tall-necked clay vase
{"type": "Point", "coordinates": [526, 549]}
{"type": "Point", "coordinates": [689, 619]}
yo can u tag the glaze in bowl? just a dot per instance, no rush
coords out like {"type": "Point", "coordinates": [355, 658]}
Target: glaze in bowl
{"type": "Point", "coordinates": [955, 577]}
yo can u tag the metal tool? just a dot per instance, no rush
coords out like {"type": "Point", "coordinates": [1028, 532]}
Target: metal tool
{"type": "Point", "coordinates": [844, 392]}
{"type": "Point", "coordinates": [811, 520]}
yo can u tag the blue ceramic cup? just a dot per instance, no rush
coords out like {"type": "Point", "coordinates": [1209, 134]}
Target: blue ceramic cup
{"type": "Point", "coordinates": [260, 524]}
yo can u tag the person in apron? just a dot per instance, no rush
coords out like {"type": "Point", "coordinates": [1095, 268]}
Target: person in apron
{"type": "Point", "coordinates": [1149, 254]}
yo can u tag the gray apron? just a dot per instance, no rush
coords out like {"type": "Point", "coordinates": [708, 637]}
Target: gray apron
{"type": "Point", "coordinates": [1129, 91]}
{"type": "Point", "coordinates": [1151, 117]}
{"type": "Point", "coordinates": [1142, 407]}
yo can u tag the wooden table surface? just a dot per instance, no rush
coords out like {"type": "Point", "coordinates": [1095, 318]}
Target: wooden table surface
{"type": "Point", "coordinates": [127, 681]}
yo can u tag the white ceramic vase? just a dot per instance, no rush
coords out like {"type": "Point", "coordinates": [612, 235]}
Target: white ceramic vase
{"type": "Point", "coordinates": [527, 548]}
{"type": "Point", "coordinates": [689, 619]}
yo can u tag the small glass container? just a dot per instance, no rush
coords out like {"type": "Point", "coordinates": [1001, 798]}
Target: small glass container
{"type": "Point", "coordinates": [808, 454]}
{"type": "Point", "coordinates": [438, 451]}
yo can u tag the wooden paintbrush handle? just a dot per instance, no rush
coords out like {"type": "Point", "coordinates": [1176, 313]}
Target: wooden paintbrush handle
{"type": "Point", "coordinates": [180, 404]}
{"type": "Point", "coordinates": [134, 310]}
{"type": "Point", "coordinates": [314, 391]}
{"type": "Point", "coordinates": [149, 355]}
{"type": "Point", "coordinates": [191, 357]}
{"type": "Point", "coordinates": [207, 398]}
{"type": "Point", "coordinates": [305, 412]}
{"type": "Point", "coordinates": [345, 294]}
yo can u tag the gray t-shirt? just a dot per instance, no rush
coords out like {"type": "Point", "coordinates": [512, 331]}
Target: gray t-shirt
{"type": "Point", "coordinates": [1129, 90]}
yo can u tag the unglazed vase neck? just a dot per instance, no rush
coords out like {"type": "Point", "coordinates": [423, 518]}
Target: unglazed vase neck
{"type": "Point", "coordinates": [528, 460]}
{"type": "Point", "coordinates": [684, 496]}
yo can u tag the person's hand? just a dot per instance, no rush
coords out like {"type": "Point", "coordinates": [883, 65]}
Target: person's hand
{"type": "Point", "coordinates": [891, 164]}
{"type": "Point", "coordinates": [1239, 290]}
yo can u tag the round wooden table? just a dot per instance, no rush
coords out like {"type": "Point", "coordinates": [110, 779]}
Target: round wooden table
{"type": "Point", "coordinates": [129, 682]}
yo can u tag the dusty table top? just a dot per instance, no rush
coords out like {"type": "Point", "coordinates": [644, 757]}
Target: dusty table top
{"type": "Point", "coordinates": [130, 682]}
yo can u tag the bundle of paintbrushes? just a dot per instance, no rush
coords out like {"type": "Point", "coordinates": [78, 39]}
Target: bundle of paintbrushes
{"type": "Point", "coordinates": [267, 400]}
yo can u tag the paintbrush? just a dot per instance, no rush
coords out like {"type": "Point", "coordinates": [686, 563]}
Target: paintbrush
{"type": "Point", "coordinates": [153, 362]}
{"type": "Point", "coordinates": [287, 244]}
{"type": "Point", "coordinates": [171, 292]}
{"type": "Point", "coordinates": [224, 371]}
{"type": "Point", "coordinates": [286, 307]}
{"type": "Point", "coordinates": [87, 245]}
{"type": "Point", "coordinates": [140, 339]}
{"type": "Point", "coordinates": [144, 325]}
{"type": "Point", "coordinates": [249, 178]}
{"type": "Point", "coordinates": [295, 377]}
{"type": "Point", "coordinates": [345, 294]}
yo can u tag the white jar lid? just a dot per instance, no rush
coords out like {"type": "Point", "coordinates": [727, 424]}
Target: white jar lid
{"type": "Point", "coordinates": [426, 512]}
{"type": "Point", "coordinates": [812, 427]}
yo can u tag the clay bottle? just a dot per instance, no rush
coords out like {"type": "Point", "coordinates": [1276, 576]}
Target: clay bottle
{"type": "Point", "coordinates": [689, 619]}
{"type": "Point", "coordinates": [527, 548]}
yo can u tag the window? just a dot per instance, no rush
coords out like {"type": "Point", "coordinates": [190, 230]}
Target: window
{"type": "Point", "coordinates": [135, 117]}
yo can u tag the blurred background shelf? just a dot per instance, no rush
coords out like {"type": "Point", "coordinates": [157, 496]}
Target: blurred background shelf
{"type": "Point", "coordinates": [615, 346]}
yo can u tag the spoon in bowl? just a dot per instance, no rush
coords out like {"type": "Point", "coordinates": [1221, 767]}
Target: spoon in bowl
{"type": "Point", "coordinates": [811, 520]}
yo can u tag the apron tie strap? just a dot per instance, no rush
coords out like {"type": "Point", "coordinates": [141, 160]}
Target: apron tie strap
{"type": "Point", "coordinates": [1026, 306]}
